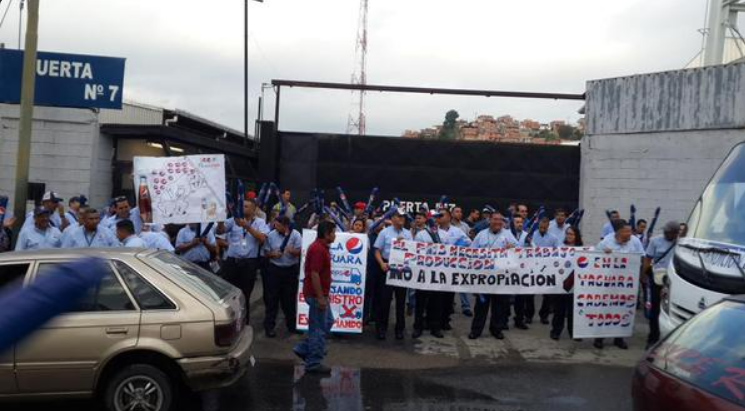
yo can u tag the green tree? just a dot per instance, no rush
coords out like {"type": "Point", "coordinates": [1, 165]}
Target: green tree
{"type": "Point", "coordinates": [548, 135]}
{"type": "Point", "coordinates": [449, 129]}
{"type": "Point", "coordinates": [578, 134]}
{"type": "Point", "coordinates": [565, 132]}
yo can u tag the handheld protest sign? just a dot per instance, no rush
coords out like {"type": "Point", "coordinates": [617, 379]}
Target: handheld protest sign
{"type": "Point", "coordinates": [344, 202]}
{"type": "Point", "coordinates": [240, 198]}
{"type": "Point", "coordinates": [370, 207]}
{"type": "Point", "coordinates": [654, 222]}
{"type": "Point", "coordinates": [349, 254]}
{"type": "Point", "coordinates": [606, 290]}
{"type": "Point", "coordinates": [262, 193]}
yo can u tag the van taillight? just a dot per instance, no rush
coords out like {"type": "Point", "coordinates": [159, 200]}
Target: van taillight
{"type": "Point", "coordinates": [227, 334]}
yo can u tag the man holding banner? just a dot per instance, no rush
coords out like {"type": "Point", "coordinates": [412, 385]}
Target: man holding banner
{"type": "Point", "coordinates": [623, 242]}
{"type": "Point", "coordinates": [453, 236]}
{"type": "Point", "coordinates": [382, 253]}
{"type": "Point", "coordinates": [495, 237]}
{"type": "Point", "coordinates": [543, 238]}
{"type": "Point", "coordinates": [428, 301]}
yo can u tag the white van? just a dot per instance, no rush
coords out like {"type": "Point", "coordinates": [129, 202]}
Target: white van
{"type": "Point", "coordinates": [709, 264]}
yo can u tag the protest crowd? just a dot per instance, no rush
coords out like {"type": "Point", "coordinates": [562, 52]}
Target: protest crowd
{"type": "Point", "coordinates": [263, 238]}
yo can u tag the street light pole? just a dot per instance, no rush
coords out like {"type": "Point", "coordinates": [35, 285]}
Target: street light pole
{"type": "Point", "coordinates": [28, 87]}
{"type": "Point", "coordinates": [245, 70]}
{"type": "Point", "coordinates": [245, 74]}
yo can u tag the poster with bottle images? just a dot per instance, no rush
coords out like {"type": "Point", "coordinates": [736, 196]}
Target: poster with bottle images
{"type": "Point", "coordinates": [181, 190]}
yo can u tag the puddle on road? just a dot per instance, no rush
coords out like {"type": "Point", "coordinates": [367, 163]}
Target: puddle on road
{"type": "Point", "coordinates": [281, 386]}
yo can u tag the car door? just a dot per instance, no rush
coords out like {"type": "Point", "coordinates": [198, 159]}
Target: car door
{"type": "Point", "coordinates": [11, 275]}
{"type": "Point", "coordinates": [63, 355]}
{"type": "Point", "coordinates": [701, 365]}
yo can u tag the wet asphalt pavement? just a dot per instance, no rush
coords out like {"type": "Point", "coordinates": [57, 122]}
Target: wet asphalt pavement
{"type": "Point", "coordinates": [520, 387]}
{"type": "Point", "coordinates": [525, 372]}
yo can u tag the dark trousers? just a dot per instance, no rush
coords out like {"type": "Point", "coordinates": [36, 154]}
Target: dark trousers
{"type": "Point", "coordinates": [654, 315]}
{"type": "Point", "coordinates": [546, 305]}
{"type": "Point", "coordinates": [543, 312]}
{"type": "Point", "coordinates": [387, 293]}
{"type": "Point", "coordinates": [241, 272]}
{"type": "Point", "coordinates": [520, 306]}
{"type": "Point", "coordinates": [563, 311]}
{"type": "Point", "coordinates": [429, 303]}
{"type": "Point", "coordinates": [447, 300]}
{"type": "Point", "coordinates": [500, 306]}
{"type": "Point", "coordinates": [281, 289]}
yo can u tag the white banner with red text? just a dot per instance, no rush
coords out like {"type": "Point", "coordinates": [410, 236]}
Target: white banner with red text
{"type": "Point", "coordinates": [442, 267]}
{"type": "Point", "coordinates": [605, 295]}
{"type": "Point", "coordinates": [605, 285]}
{"type": "Point", "coordinates": [348, 272]}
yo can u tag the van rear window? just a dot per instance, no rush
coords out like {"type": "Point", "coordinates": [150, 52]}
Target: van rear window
{"type": "Point", "coordinates": [193, 276]}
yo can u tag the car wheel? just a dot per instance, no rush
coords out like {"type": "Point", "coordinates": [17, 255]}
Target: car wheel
{"type": "Point", "coordinates": [139, 387]}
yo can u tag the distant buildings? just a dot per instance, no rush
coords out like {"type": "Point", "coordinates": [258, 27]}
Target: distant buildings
{"type": "Point", "coordinates": [504, 129]}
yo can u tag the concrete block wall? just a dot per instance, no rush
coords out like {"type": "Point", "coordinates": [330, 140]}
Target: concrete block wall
{"type": "Point", "coordinates": [656, 140]}
{"type": "Point", "coordinates": [67, 153]}
{"type": "Point", "coordinates": [649, 170]}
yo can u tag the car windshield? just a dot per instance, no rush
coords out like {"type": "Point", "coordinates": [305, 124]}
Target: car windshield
{"type": "Point", "coordinates": [709, 351]}
{"type": "Point", "coordinates": [194, 276]}
{"type": "Point", "coordinates": [720, 214]}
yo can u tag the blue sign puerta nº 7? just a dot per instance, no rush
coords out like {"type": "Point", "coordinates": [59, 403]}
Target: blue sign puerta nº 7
{"type": "Point", "coordinates": [65, 80]}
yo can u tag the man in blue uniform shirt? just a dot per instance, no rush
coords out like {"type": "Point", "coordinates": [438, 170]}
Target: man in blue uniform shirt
{"type": "Point", "coordinates": [608, 227]}
{"type": "Point", "coordinates": [496, 236]}
{"type": "Point", "coordinates": [125, 232]}
{"type": "Point", "coordinates": [245, 237]}
{"type": "Point", "coordinates": [156, 241]}
{"type": "Point", "coordinates": [382, 253]}
{"type": "Point", "coordinates": [453, 236]}
{"type": "Point", "coordinates": [195, 245]}
{"type": "Point", "coordinates": [542, 238]}
{"type": "Point", "coordinates": [124, 212]}
{"type": "Point", "coordinates": [74, 209]}
{"type": "Point", "coordinates": [659, 253]}
{"type": "Point", "coordinates": [56, 209]}
{"type": "Point", "coordinates": [90, 233]}
{"type": "Point", "coordinates": [428, 302]}
{"type": "Point", "coordinates": [622, 242]}
{"type": "Point", "coordinates": [283, 246]}
{"type": "Point", "coordinates": [40, 235]}
{"type": "Point", "coordinates": [558, 225]}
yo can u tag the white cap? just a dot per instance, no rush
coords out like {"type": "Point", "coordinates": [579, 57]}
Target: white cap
{"type": "Point", "coordinates": [51, 196]}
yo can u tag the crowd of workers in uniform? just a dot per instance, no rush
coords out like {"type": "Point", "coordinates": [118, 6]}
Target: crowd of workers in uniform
{"type": "Point", "coordinates": [240, 248]}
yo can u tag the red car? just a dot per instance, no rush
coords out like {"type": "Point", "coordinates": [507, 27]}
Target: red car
{"type": "Point", "coordinates": [700, 366]}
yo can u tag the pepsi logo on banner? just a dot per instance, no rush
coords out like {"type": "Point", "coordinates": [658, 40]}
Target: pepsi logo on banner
{"type": "Point", "coordinates": [346, 253]}
{"type": "Point", "coordinates": [354, 246]}
{"type": "Point", "coordinates": [582, 262]}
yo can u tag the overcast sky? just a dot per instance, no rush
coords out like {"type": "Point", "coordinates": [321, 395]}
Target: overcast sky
{"type": "Point", "coordinates": [188, 54]}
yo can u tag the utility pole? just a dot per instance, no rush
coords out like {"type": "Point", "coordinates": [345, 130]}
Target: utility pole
{"type": "Point", "coordinates": [27, 112]}
{"type": "Point", "coordinates": [20, 23]}
{"type": "Point", "coordinates": [245, 73]}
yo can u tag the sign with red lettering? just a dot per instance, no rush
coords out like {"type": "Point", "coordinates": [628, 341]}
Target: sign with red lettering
{"type": "Point", "coordinates": [452, 268]}
{"type": "Point", "coordinates": [606, 287]}
{"type": "Point", "coordinates": [348, 270]}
